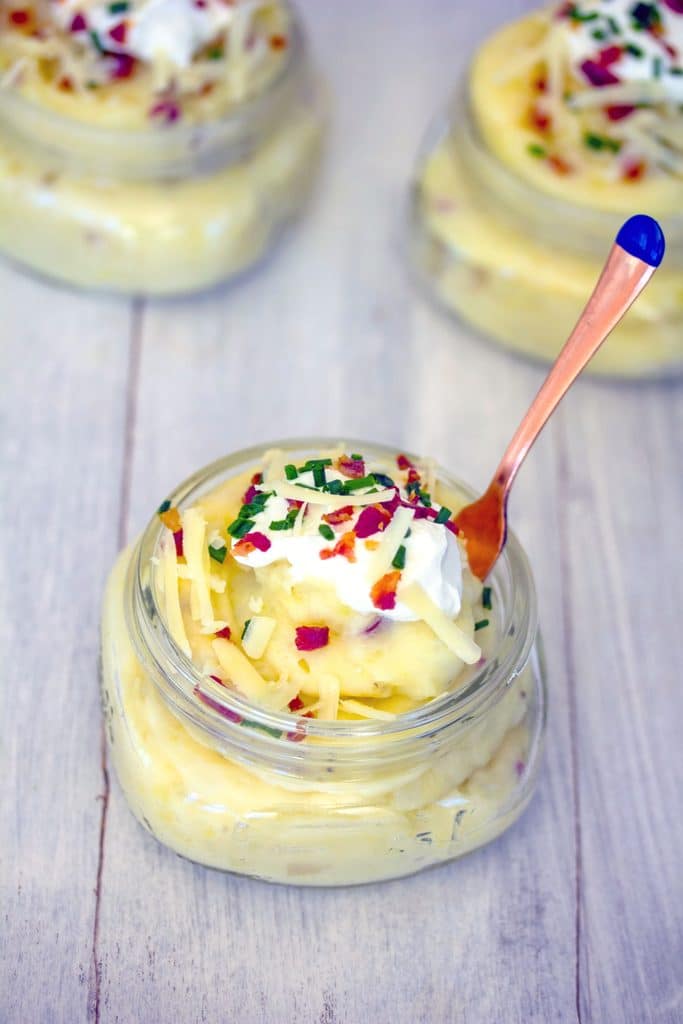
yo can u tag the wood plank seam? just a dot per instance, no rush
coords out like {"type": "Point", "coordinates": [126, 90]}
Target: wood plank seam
{"type": "Point", "coordinates": [135, 339]}
{"type": "Point", "coordinates": [570, 668]}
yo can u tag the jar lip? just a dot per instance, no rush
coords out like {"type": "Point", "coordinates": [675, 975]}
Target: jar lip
{"type": "Point", "coordinates": [19, 106]}
{"type": "Point", "coordinates": [503, 664]}
{"type": "Point", "coordinates": [552, 208]}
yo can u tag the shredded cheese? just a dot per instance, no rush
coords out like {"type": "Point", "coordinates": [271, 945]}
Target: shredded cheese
{"type": "Point", "coordinates": [257, 636]}
{"type": "Point", "coordinates": [242, 674]}
{"type": "Point", "coordinates": [388, 543]}
{"type": "Point", "coordinates": [358, 707]}
{"type": "Point", "coordinates": [285, 489]}
{"type": "Point", "coordinates": [420, 604]}
{"type": "Point", "coordinates": [168, 564]}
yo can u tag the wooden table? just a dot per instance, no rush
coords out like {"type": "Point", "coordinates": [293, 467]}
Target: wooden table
{"type": "Point", "coordinates": [575, 914]}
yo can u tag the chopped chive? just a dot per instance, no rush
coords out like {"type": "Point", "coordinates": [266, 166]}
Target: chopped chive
{"type": "Point", "coordinates": [335, 486]}
{"type": "Point", "coordinates": [657, 67]}
{"type": "Point", "coordinates": [425, 498]}
{"type": "Point", "coordinates": [119, 7]}
{"type": "Point", "coordinates": [319, 478]}
{"type": "Point", "coordinates": [383, 480]}
{"type": "Point", "coordinates": [96, 42]}
{"type": "Point", "coordinates": [482, 624]}
{"type": "Point", "coordinates": [599, 142]}
{"type": "Point", "coordinates": [358, 484]}
{"type": "Point", "coordinates": [240, 528]}
{"type": "Point", "coordinates": [634, 50]}
{"type": "Point", "coordinates": [408, 532]}
{"type": "Point", "coordinates": [614, 25]}
{"type": "Point", "coordinates": [218, 554]}
{"type": "Point", "coordinates": [291, 515]}
{"type": "Point", "coordinates": [599, 34]}
{"type": "Point", "coordinates": [326, 531]}
{"type": "Point", "coordinates": [533, 149]}
{"type": "Point", "coordinates": [280, 524]}
{"type": "Point", "coordinates": [443, 515]}
{"type": "Point", "coordinates": [215, 53]}
{"type": "Point", "coordinates": [399, 559]}
{"type": "Point", "coordinates": [356, 458]}
{"type": "Point", "coordinates": [486, 598]}
{"type": "Point", "coordinates": [248, 623]}
{"type": "Point", "coordinates": [310, 463]}
{"type": "Point", "coordinates": [164, 507]}
{"type": "Point", "coordinates": [290, 471]}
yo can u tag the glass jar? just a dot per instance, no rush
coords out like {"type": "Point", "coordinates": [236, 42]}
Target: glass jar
{"type": "Point", "coordinates": [519, 264]}
{"type": "Point", "coordinates": [307, 801]}
{"type": "Point", "coordinates": [162, 210]}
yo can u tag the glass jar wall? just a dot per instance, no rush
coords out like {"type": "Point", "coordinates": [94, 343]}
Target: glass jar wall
{"type": "Point", "coordinates": [518, 262]}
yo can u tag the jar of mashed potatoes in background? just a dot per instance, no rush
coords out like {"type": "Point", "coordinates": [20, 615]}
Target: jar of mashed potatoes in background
{"type": "Point", "coordinates": [152, 146]}
{"type": "Point", "coordinates": [245, 719]}
{"type": "Point", "coordinates": [569, 121]}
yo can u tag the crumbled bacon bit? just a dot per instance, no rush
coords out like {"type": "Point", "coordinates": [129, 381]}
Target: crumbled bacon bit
{"type": "Point", "coordinates": [634, 170]}
{"type": "Point", "coordinates": [383, 593]}
{"type": "Point", "coordinates": [413, 476]}
{"type": "Point", "coordinates": [65, 84]}
{"type": "Point", "coordinates": [339, 515]}
{"type": "Point", "coordinates": [372, 519]}
{"type": "Point", "coordinates": [403, 462]}
{"type": "Point", "coordinates": [78, 23]}
{"type": "Point", "coordinates": [166, 110]}
{"type": "Point", "coordinates": [345, 546]}
{"type": "Point", "coordinates": [597, 74]}
{"type": "Point", "coordinates": [119, 32]}
{"type": "Point", "coordinates": [254, 541]}
{"type": "Point", "coordinates": [610, 55]}
{"type": "Point", "coordinates": [559, 164]}
{"type": "Point", "coordinates": [351, 467]}
{"type": "Point", "coordinates": [295, 704]}
{"type": "Point", "coordinates": [540, 120]}
{"type": "Point", "coordinates": [616, 113]}
{"type": "Point", "coordinates": [278, 42]}
{"type": "Point", "coordinates": [171, 519]}
{"type": "Point", "coordinates": [178, 541]}
{"type": "Point", "coordinates": [372, 545]}
{"type": "Point", "coordinates": [312, 638]}
{"type": "Point", "coordinates": [20, 17]}
{"type": "Point", "coordinates": [257, 478]}
{"type": "Point", "coordinates": [122, 65]}
{"type": "Point", "coordinates": [541, 84]}
{"type": "Point", "coordinates": [250, 494]}
{"type": "Point", "coordinates": [224, 634]}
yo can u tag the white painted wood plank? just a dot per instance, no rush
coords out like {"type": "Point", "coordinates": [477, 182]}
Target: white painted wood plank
{"type": "Point", "coordinates": [63, 367]}
{"type": "Point", "coordinates": [624, 495]}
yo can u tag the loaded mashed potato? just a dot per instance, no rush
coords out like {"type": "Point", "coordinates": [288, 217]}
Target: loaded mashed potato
{"type": "Point", "coordinates": [573, 120]}
{"type": "Point", "coordinates": [150, 145]}
{"type": "Point", "coordinates": [331, 590]}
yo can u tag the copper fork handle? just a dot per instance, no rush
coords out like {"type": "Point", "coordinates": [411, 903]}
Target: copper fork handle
{"type": "Point", "coordinates": [622, 280]}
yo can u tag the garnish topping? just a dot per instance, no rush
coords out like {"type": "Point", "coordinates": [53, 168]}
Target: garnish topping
{"type": "Point", "coordinates": [345, 547]}
{"type": "Point", "coordinates": [383, 593]}
{"type": "Point", "coordinates": [312, 638]}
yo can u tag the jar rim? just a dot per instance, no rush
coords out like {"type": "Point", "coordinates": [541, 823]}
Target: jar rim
{"type": "Point", "coordinates": [176, 675]}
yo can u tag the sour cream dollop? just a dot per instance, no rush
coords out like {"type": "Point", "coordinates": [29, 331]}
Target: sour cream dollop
{"type": "Point", "coordinates": [431, 553]}
{"type": "Point", "coordinates": [149, 30]}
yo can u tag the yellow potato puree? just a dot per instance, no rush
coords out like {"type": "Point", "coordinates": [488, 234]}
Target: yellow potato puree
{"type": "Point", "coordinates": [162, 163]}
{"type": "Point", "coordinates": [521, 196]}
{"type": "Point", "coordinates": [310, 740]}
